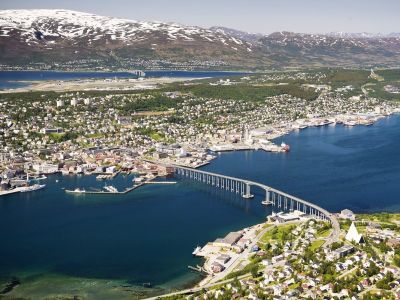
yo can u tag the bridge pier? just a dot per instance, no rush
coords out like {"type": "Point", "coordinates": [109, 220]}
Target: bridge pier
{"type": "Point", "coordinates": [247, 194]}
{"type": "Point", "coordinates": [272, 196]}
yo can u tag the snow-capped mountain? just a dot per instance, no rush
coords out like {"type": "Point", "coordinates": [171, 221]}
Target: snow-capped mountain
{"type": "Point", "coordinates": [70, 39]}
{"type": "Point", "coordinates": [245, 36]}
{"type": "Point", "coordinates": [46, 24]}
{"type": "Point", "coordinates": [66, 35]}
{"type": "Point", "coordinates": [334, 50]}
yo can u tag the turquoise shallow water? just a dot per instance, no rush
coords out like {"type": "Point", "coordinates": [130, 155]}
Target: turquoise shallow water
{"type": "Point", "coordinates": [120, 242]}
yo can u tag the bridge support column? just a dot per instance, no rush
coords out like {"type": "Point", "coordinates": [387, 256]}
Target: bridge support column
{"type": "Point", "coordinates": [247, 194]}
{"type": "Point", "coordinates": [236, 187]}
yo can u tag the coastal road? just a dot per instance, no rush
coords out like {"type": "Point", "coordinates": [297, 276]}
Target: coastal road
{"type": "Point", "coordinates": [198, 289]}
{"type": "Point", "coordinates": [242, 257]}
{"type": "Point", "coordinates": [334, 236]}
{"type": "Point", "coordinates": [213, 283]}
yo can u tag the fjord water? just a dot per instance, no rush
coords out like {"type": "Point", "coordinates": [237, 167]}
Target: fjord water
{"type": "Point", "coordinates": [110, 245]}
{"type": "Point", "coordinates": [335, 167]}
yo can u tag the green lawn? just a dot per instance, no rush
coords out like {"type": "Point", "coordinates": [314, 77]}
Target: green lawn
{"type": "Point", "coordinates": [277, 233]}
{"type": "Point", "coordinates": [324, 233]}
{"type": "Point", "coordinates": [316, 244]}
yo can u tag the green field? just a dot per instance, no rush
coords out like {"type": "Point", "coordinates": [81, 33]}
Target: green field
{"type": "Point", "coordinates": [278, 233]}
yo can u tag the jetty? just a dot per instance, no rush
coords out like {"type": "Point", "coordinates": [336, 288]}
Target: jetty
{"type": "Point", "coordinates": [198, 269]}
{"type": "Point", "coordinates": [128, 190]}
{"type": "Point", "coordinates": [160, 182]}
{"type": "Point", "coordinates": [110, 192]}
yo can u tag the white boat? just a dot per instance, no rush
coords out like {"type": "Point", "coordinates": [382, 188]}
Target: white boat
{"type": "Point", "coordinates": [32, 188]}
{"type": "Point", "coordinates": [110, 188]}
{"type": "Point", "coordinates": [138, 179]}
{"type": "Point", "coordinates": [285, 147]}
{"type": "Point", "coordinates": [76, 191]}
{"type": "Point", "coordinates": [350, 123]}
{"type": "Point", "coordinates": [196, 250]}
{"type": "Point", "coordinates": [266, 202]}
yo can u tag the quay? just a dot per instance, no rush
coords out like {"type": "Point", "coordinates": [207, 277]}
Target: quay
{"type": "Point", "coordinates": [128, 190]}
{"type": "Point", "coordinates": [160, 182]}
{"type": "Point", "coordinates": [79, 192]}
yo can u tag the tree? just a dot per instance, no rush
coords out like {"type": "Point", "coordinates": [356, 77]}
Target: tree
{"type": "Point", "coordinates": [254, 271]}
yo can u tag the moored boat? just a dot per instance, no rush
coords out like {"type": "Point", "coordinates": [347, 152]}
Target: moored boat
{"type": "Point", "coordinates": [285, 147]}
{"type": "Point", "coordinates": [196, 250]}
{"type": "Point", "coordinates": [32, 188]}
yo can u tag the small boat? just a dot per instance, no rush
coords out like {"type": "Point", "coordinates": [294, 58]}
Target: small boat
{"type": "Point", "coordinates": [147, 284]}
{"type": "Point", "coordinates": [110, 189]}
{"type": "Point", "coordinates": [32, 188]}
{"type": "Point", "coordinates": [285, 147]}
{"type": "Point", "coordinates": [196, 250]}
{"type": "Point", "coordinates": [138, 179]}
{"type": "Point", "coordinates": [76, 191]}
{"type": "Point", "coordinates": [266, 202]}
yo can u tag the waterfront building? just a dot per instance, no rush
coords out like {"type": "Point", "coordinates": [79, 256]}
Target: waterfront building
{"type": "Point", "coordinates": [217, 267]}
{"type": "Point", "coordinates": [347, 214]}
{"type": "Point", "coordinates": [45, 168]}
{"type": "Point", "coordinates": [223, 258]}
{"type": "Point", "coordinates": [110, 169]}
{"type": "Point", "coordinates": [229, 240]}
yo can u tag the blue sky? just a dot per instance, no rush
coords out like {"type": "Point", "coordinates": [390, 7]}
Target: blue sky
{"type": "Point", "coordinates": [264, 16]}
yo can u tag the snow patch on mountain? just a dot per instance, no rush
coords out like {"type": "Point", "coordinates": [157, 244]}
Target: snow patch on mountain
{"type": "Point", "coordinates": [67, 24]}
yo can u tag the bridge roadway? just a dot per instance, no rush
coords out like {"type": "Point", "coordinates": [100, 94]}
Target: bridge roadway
{"type": "Point", "coordinates": [279, 198]}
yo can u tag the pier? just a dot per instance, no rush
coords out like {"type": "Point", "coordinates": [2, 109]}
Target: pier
{"type": "Point", "coordinates": [127, 190]}
{"type": "Point", "coordinates": [273, 197]}
{"type": "Point", "coordinates": [84, 192]}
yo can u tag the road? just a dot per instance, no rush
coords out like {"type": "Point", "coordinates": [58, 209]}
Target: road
{"type": "Point", "coordinates": [232, 266]}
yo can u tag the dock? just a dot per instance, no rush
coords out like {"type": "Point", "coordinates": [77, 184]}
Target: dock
{"type": "Point", "coordinates": [127, 190]}
{"type": "Point", "coordinates": [199, 269]}
{"type": "Point", "coordinates": [160, 182]}
{"type": "Point", "coordinates": [79, 192]}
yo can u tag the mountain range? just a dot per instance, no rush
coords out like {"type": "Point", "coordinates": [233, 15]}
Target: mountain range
{"type": "Point", "coordinates": [69, 39]}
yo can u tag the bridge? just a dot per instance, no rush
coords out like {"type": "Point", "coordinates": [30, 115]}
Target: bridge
{"type": "Point", "coordinates": [273, 196]}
